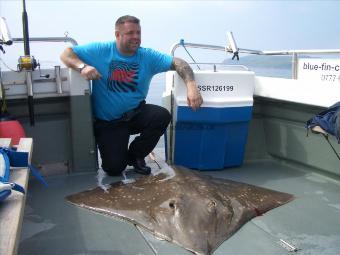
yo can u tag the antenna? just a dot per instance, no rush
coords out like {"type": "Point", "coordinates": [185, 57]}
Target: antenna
{"type": "Point", "coordinates": [5, 34]}
{"type": "Point", "coordinates": [232, 45]}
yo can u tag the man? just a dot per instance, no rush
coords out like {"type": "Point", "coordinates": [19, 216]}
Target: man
{"type": "Point", "coordinates": [121, 72]}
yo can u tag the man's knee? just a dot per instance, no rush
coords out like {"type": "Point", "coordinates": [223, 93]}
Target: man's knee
{"type": "Point", "coordinates": [114, 168]}
{"type": "Point", "coordinates": [164, 117]}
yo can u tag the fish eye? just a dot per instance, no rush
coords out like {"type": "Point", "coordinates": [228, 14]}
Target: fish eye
{"type": "Point", "coordinates": [172, 204]}
{"type": "Point", "coordinates": [212, 203]}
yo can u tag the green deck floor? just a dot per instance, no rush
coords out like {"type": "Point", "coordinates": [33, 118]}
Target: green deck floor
{"type": "Point", "coordinates": [311, 222]}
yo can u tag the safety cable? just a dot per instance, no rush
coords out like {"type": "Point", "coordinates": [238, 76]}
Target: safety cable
{"type": "Point", "coordinates": [8, 66]}
{"type": "Point", "coordinates": [182, 43]}
{"type": "Point", "coordinates": [327, 139]}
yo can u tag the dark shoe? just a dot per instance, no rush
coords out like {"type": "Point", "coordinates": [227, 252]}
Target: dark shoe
{"type": "Point", "coordinates": [141, 167]}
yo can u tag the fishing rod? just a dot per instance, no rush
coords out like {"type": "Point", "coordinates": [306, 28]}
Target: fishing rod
{"type": "Point", "coordinates": [28, 64]}
{"type": "Point", "coordinates": [25, 29]}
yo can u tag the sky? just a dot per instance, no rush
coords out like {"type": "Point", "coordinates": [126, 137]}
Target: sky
{"type": "Point", "coordinates": [262, 25]}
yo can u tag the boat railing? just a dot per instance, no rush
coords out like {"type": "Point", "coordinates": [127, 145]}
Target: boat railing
{"type": "Point", "coordinates": [15, 81]}
{"type": "Point", "coordinates": [48, 39]}
{"type": "Point", "coordinates": [234, 50]}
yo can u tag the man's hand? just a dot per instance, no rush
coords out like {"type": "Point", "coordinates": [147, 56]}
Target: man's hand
{"type": "Point", "coordinates": [183, 69]}
{"type": "Point", "coordinates": [194, 97]}
{"type": "Point", "coordinates": [70, 59]}
{"type": "Point", "coordinates": [90, 73]}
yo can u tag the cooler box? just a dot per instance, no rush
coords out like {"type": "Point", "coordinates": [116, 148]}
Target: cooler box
{"type": "Point", "coordinates": [214, 136]}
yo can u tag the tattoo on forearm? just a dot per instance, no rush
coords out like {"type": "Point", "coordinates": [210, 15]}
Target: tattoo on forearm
{"type": "Point", "coordinates": [183, 69]}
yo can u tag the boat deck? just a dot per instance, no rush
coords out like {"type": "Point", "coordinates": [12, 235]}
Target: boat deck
{"type": "Point", "coordinates": [310, 222]}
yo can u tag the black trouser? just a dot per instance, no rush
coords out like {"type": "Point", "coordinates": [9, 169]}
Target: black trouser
{"type": "Point", "coordinates": [112, 137]}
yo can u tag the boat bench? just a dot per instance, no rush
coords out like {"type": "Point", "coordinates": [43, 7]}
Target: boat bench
{"type": "Point", "coordinates": [12, 208]}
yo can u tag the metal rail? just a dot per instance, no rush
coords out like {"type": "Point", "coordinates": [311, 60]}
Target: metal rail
{"type": "Point", "coordinates": [293, 53]}
{"type": "Point", "coordinates": [48, 39]}
{"type": "Point", "coordinates": [57, 79]}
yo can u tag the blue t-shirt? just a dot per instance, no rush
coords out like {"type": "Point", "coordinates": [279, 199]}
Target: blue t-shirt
{"type": "Point", "coordinates": [125, 80]}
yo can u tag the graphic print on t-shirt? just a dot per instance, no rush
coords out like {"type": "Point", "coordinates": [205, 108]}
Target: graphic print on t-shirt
{"type": "Point", "coordinates": [122, 76]}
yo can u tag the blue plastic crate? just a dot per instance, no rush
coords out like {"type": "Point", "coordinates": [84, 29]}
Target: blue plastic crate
{"type": "Point", "coordinates": [211, 138]}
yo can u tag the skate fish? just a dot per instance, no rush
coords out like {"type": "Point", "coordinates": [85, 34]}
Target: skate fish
{"type": "Point", "coordinates": [192, 210]}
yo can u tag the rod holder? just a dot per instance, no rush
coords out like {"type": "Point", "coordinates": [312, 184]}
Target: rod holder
{"type": "Point", "coordinates": [29, 84]}
{"type": "Point", "coordinates": [58, 79]}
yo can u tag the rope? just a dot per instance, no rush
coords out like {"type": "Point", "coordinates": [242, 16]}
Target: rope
{"type": "Point", "coordinates": [182, 43]}
{"type": "Point", "coordinates": [336, 153]}
{"type": "Point", "coordinates": [8, 66]}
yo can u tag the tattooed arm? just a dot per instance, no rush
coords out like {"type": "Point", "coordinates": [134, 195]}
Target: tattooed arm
{"type": "Point", "coordinates": [183, 69]}
{"type": "Point", "coordinates": [70, 59]}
